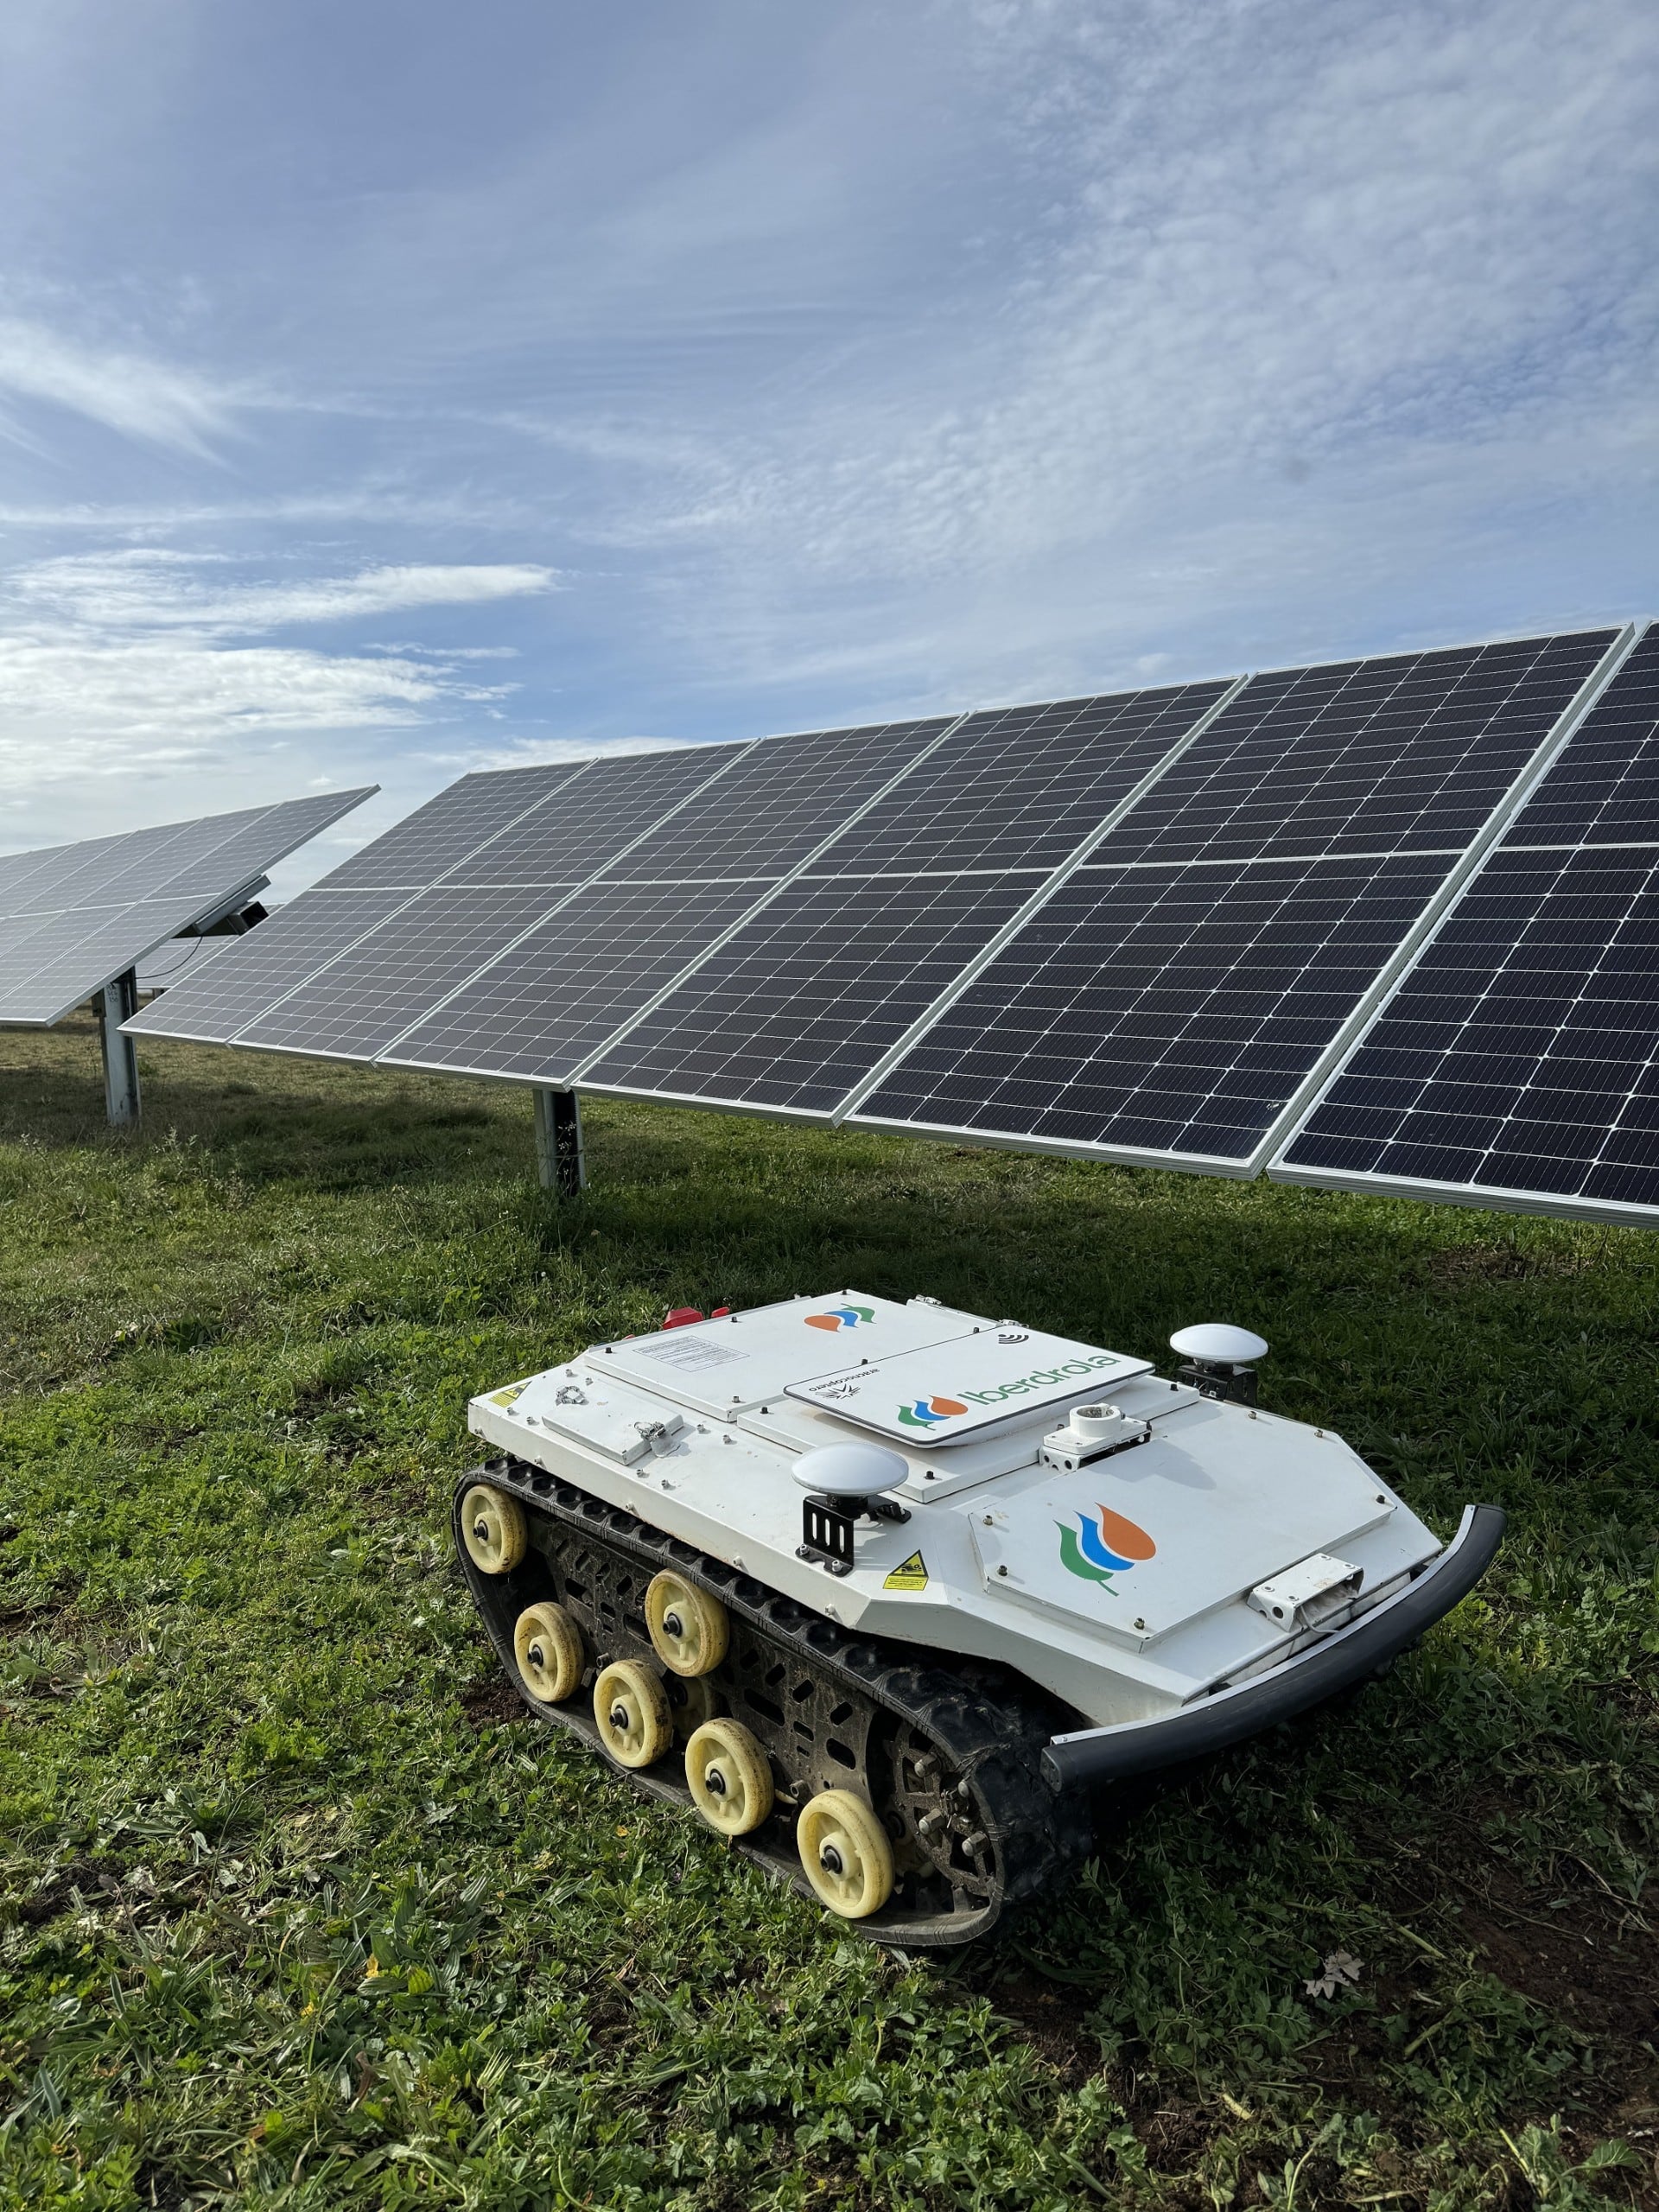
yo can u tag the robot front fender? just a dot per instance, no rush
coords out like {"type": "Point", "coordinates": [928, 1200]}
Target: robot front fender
{"type": "Point", "coordinates": [1347, 1657]}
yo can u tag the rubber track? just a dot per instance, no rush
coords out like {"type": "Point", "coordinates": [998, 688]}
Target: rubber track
{"type": "Point", "coordinates": [988, 1726]}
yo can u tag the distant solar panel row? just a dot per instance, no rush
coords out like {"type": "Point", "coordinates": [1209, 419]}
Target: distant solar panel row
{"type": "Point", "coordinates": [73, 917]}
{"type": "Point", "coordinates": [1142, 926]}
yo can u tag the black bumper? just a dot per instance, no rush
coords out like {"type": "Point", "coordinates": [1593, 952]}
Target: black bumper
{"type": "Point", "coordinates": [1349, 1655]}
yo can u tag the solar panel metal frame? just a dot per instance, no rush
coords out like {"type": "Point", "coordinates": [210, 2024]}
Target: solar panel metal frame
{"type": "Point", "coordinates": [191, 912]}
{"type": "Point", "coordinates": [1003, 933]}
{"type": "Point", "coordinates": [1501, 1197]}
{"type": "Point", "coordinates": [1387, 979]}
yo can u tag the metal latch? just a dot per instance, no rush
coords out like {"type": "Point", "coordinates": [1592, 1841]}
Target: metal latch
{"type": "Point", "coordinates": [1308, 1593]}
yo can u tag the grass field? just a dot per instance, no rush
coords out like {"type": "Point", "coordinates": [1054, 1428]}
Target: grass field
{"type": "Point", "coordinates": [296, 1911]}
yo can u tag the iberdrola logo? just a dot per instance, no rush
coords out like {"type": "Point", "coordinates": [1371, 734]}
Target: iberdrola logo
{"type": "Point", "coordinates": [1105, 1546]}
{"type": "Point", "coordinates": [841, 1317]}
{"type": "Point", "coordinates": [928, 1412]}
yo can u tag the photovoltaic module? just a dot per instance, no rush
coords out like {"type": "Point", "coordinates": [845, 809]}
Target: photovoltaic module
{"type": "Point", "coordinates": [1291, 919]}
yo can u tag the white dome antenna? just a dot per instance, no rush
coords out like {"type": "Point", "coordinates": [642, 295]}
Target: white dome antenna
{"type": "Point", "coordinates": [1219, 1360]}
{"type": "Point", "coordinates": [842, 1482]}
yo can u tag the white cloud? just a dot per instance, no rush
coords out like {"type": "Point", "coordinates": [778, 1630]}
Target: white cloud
{"type": "Point", "coordinates": [119, 664]}
{"type": "Point", "coordinates": [150, 589]}
{"type": "Point", "coordinates": [108, 708]}
{"type": "Point", "coordinates": [129, 392]}
{"type": "Point", "coordinates": [1311, 299]}
{"type": "Point", "coordinates": [865, 359]}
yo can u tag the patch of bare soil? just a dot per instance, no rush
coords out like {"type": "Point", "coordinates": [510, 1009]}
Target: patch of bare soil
{"type": "Point", "coordinates": [1051, 2018]}
{"type": "Point", "coordinates": [491, 1702]}
{"type": "Point", "coordinates": [1504, 1262]}
{"type": "Point", "coordinates": [56, 1895]}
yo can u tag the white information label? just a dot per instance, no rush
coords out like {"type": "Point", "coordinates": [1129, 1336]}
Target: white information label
{"type": "Point", "coordinates": [688, 1357]}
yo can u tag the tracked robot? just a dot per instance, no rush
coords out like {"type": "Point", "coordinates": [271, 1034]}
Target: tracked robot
{"type": "Point", "coordinates": [890, 1593]}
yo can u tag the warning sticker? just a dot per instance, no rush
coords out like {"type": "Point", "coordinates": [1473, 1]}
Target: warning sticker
{"type": "Point", "coordinates": [506, 1397]}
{"type": "Point", "coordinates": [910, 1574]}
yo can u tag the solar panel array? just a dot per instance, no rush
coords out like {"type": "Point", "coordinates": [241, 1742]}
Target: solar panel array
{"type": "Point", "coordinates": [1145, 926]}
{"type": "Point", "coordinates": [805, 1000]}
{"type": "Point", "coordinates": [1518, 1062]}
{"type": "Point", "coordinates": [1172, 997]}
{"type": "Point", "coordinates": [74, 917]}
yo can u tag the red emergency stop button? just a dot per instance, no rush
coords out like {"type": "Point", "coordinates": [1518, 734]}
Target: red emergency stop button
{"type": "Point", "coordinates": [680, 1317]}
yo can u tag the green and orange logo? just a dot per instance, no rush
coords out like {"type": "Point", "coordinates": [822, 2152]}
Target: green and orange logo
{"type": "Point", "coordinates": [928, 1412]}
{"type": "Point", "coordinates": [1107, 1545]}
{"type": "Point", "coordinates": [841, 1317]}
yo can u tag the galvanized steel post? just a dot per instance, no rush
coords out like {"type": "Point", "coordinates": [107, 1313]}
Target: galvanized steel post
{"type": "Point", "coordinates": [116, 1003]}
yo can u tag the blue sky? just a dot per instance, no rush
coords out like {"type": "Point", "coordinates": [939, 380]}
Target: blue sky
{"type": "Point", "coordinates": [389, 389]}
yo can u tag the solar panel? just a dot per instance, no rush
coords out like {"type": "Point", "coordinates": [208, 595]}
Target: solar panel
{"type": "Point", "coordinates": [372, 990]}
{"type": "Point", "coordinates": [1405, 753]}
{"type": "Point", "coordinates": [1161, 1010]}
{"type": "Point", "coordinates": [537, 1011]}
{"type": "Point", "coordinates": [243, 982]}
{"type": "Point", "coordinates": [16, 869]}
{"type": "Point", "coordinates": [564, 906]}
{"type": "Point", "coordinates": [1019, 787]}
{"type": "Point", "coordinates": [1170, 999]}
{"type": "Point", "coordinates": [1517, 1063]}
{"type": "Point", "coordinates": [74, 917]}
{"type": "Point", "coordinates": [827, 978]}
{"type": "Point", "coordinates": [48, 973]}
{"type": "Point", "coordinates": [209, 872]}
{"type": "Point", "coordinates": [770, 814]}
{"type": "Point", "coordinates": [594, 817]}
{"type": "Point", "coordinates": [427, 844]}
{"type": "Point", "coordinates": [809, 996]}
{"type": "Point", "coordinates": [147, 863]}
{"type": "Point", "coordinates": [42, 882]}
{"type": "Point", "coordinates": [538, 824]}
{"type": "Point", "coordinates": [601, 956]}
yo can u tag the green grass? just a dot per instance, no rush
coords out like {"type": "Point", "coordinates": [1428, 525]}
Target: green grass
{"type": "Point", "coordinates": [293, 1913]}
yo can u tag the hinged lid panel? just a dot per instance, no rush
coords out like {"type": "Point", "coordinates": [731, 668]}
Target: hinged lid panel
{"type": "Point", "coordinates": [720, 1367]}
{"type": "Point", "coordinates": [572, 1401]}
{"type": "Point", "coordinates": [969, 1385]}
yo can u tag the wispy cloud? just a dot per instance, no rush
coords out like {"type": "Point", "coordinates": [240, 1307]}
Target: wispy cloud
{"type": "Point", "coordinates": [120, 664]}
{"type": "Point", "coordinates": [852, 361]}
{"type": "Point", "coordinates": [124, 391]}
{"type": "Point", "coordinates": [152, 588]}
{"type": "Point", "coordinates": [1282, 281]}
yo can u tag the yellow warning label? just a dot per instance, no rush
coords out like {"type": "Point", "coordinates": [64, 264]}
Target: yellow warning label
{"type": "Point", "coordinates": [910, 1574]}
{"type": "Point", "coordinates": [506, 1397]}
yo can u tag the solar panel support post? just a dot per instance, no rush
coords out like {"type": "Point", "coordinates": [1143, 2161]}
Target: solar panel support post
{"type": "Point", "coordinates": [116, 1003]}
{"type": "Point", "coordinates": [558, 1141]}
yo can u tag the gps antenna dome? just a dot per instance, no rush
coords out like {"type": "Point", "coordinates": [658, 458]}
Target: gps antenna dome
{"type": "Point", "coordinates": [1217, 1360]}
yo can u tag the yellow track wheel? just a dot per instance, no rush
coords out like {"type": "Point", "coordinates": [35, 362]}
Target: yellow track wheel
{"type": "Point", "coordinates": [547, 1644]}
{"type": "Point", "coordinates": [846, 1853]}
{"type": "Point", "coordinates": [630, 1706]}
{"type": "Point", "coordinates": [730, 1780]}
{"type": "Point", "coordinates": [492, 1525]}
{"type": "Point", "coordinates": [688, 1627]}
